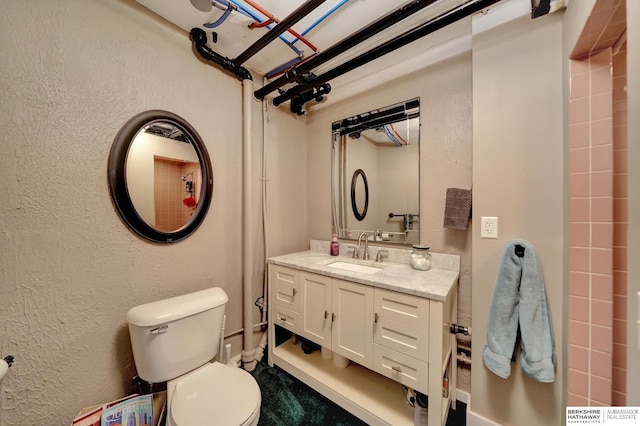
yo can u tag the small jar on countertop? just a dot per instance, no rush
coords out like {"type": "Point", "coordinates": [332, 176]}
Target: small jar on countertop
{"type": "Point", "coordinates": [420, 258]}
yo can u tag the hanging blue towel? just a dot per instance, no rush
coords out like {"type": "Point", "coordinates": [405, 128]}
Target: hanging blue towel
{"type": "Point", "coordinates": [520, 299]}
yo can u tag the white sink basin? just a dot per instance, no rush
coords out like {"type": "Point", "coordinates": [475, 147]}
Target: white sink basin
{"type": "Point", "coordinates": [354, 267]}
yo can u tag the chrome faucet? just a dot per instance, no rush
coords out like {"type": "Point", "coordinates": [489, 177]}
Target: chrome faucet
{"type": "Point", "coordinates": [365, 253]}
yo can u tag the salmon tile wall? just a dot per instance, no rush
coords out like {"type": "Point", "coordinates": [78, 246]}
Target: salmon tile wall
{"type": "Point", "coordinates": [591, 231]}
{"type": "Point", "coordinates": [597, 229]}
{"type": "Point", "coordinates": [619, 225]}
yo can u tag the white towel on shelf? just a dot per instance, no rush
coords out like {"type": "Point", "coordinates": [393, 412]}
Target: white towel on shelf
{"type": "Point", "coordinates": [520, 299]}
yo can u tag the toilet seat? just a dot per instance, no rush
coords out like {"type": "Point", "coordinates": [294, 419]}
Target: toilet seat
{"type": "Point", "coordinates": [214, 394]}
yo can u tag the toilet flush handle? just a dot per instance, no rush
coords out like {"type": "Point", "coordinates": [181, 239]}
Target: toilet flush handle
{"type": "Point", "coordinates": [158, 330]}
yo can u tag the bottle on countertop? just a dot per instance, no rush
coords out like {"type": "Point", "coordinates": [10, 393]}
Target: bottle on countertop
{"type": "Point", "coordinates": [334, 246]}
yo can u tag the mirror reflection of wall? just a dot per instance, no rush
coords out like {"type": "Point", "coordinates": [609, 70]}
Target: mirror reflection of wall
{"type": "Point", "coordinates": [174, 192]}
{"type": "Point", "coordinates": [384, 144]}
{"type": "Point", "coordinates": [154, 168]}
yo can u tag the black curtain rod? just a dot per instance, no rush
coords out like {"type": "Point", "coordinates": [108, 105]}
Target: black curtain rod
{"type": "Point", "coordinates": [397, 42]}
{"type": "Point", "coordinates": [281, 27]}
{"type": "Point", "coordinates": [347, 43]}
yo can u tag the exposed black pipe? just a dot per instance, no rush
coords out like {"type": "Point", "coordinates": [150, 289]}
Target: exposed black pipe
{"type": "Point", "coordinates": [360, 126]}
{"type": "Point", "coordinates": [199, 38]}
{"type": "Point", "coordinates": [347, 43]}
{"type": "Point", "coordinates": [543, 7]}
{"type": "Point", "coordinates": [275, 32]}
{"type": "Point", "coordinates": [317, 93]}
{"type": "Point", "coordinates": [405, 38]}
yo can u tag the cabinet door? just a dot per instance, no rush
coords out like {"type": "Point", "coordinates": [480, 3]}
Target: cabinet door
{"type": "Point", "coordinates": [285, 287]}
{"type": "Point", "coordinates": [316, 308]}
{"type": "Point", "coordinates": [402, 323]}
{"type": "Point", "coordinates": [352, 326]}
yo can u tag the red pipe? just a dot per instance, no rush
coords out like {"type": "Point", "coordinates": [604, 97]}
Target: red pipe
{"type": "Point", "coordinates": [261, 24]}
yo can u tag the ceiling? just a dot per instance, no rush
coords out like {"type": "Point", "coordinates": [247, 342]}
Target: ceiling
{"type": "Point", "coordinates": [329, 23]}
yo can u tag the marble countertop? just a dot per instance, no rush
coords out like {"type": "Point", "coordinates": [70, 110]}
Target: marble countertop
{"type": "Point", "coordinates": [436, 283]}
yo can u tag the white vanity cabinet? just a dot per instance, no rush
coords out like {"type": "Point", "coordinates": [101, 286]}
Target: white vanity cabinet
{"type": "Point", "coordinates": [392, 338]}
{"type": "Point", "coordinates": [401, 337]}
{"type": "Point", "coordinates": [337, 315]}
{"type": "Point", "coordinates": [284, 291]}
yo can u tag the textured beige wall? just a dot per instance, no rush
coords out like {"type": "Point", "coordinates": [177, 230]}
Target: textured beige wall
{"type": "Point", "coordinates": [287, 183]}
{"type": "Point", "coordinates": [445, 157]}
{"type": "Point", "coordinates": [518, 176]}
{"type": "Point", "coordinates": [73, 72]}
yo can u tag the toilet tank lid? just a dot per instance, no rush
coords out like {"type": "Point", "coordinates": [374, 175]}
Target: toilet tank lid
{"type": "Point", "coordinates": [175, 308]}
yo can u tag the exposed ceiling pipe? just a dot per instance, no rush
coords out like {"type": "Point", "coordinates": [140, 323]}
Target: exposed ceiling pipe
{"type": "Point", "coordinates": [347, 43]}
{"type": "Point", "coordinates": [283, 26]}
{"type": "Point", "coordinates": [397, 42]}
{"type": "Point", "coordinates": [199, 38]}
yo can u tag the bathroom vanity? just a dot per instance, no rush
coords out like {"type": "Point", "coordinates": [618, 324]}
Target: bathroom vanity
{"type": "Point", "coordinates": [390, 321]}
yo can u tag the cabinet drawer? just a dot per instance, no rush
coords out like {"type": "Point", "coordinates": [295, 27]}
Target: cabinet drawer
{"type": "Point", "coordinates": [285, 318]}
{"type": "Point", "coordinates": [402, 323]}
{"type": "Point", "coordinates": [401, 368]}
{"type": "Point", "coordinates": [285, 287]}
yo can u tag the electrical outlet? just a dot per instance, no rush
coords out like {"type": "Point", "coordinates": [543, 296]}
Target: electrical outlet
{"type": "Point", "coordinates": [489, 227]}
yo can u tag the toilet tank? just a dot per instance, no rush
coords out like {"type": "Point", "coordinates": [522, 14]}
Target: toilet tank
{"type": "Point", "coordinates": [173, 336]}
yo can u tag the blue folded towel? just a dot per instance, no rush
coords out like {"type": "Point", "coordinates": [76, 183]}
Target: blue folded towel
{"type": "Point", "coordinates": [520, 299]}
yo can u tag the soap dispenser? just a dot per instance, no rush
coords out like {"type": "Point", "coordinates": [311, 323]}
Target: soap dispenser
{"type": "Point", "coordinates": [334, 246]}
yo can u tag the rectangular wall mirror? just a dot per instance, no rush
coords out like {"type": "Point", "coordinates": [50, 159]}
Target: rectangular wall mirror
{"type": "Point", "coordinates": [375, 174]}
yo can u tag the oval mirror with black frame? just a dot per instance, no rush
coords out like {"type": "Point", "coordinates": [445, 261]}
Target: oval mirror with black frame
{"type": "Point", "coordinates": [160, 176]}
{"type": "Point", "coordinates": [359, 194]}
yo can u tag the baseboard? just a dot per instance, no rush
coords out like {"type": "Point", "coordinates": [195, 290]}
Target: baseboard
{"type": "Point", "coordinates": [473, 419]}
{"type": "Point", "coordinates": [237, 360]}
{"type": "Point", "coordinates": [463, 396]}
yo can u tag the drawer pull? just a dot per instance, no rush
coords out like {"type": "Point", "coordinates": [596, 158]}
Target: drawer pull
{"type": "Point", "coordinates": [295, 291]}
{"type": "Point", "coordinates": [376, 317]}
{"type": "Point", "coordinates": [326, 314]}
{"type": "Point", "coordinates": [282, 318]}
{"type": "Point", "coordinates": [333, 317]}
{"type": "Point", "coordinates": [396, 368]}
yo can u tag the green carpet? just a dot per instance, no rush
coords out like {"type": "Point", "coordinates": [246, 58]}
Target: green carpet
{"type": "Point", "coordinates": [288, 402]}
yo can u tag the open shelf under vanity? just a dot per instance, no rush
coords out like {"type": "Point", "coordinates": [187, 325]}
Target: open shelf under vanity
{"type": "Point", "coordinates": [370, 396]}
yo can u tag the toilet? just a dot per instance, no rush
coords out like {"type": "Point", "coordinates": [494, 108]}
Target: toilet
{"type": "Point", "coordinates": [174, 341]}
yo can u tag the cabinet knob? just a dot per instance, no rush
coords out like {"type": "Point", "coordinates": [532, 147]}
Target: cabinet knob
{"type": "Point", "coordinates": [282, 319]}
{"type": "Point", "coordinates": [326, 314]}
{"type": "Point", "coordinates": [295, 291]}
{"type": "Point", "coordinates": [376, 317]}
{"type": "Point", "coordinates": [396, 368]}
{"type": "Point", "coordinates": [333, 317]}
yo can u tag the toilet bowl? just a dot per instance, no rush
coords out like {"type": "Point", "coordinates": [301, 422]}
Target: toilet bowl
{"type": "Point", "coordinates": [173, 341]}
{"type": "Point", "coordinates": [214, 394]}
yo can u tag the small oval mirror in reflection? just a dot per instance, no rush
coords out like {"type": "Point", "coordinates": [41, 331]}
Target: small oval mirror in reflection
{"type": "Point", "coordinates": [359, 194]}
{"type": "Point", "coordinates": [160, 176]}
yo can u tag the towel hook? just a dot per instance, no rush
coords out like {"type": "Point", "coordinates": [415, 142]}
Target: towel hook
{"type": "Point", "coordinates": [519, 250]}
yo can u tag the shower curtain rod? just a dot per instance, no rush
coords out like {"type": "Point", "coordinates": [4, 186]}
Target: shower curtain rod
{"type": "Point", "coordinates": [347, 43]}
{"type": "Point", "coordinates": [283, 26]}
{"type": "Point", "coordinates": [397, 42]}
